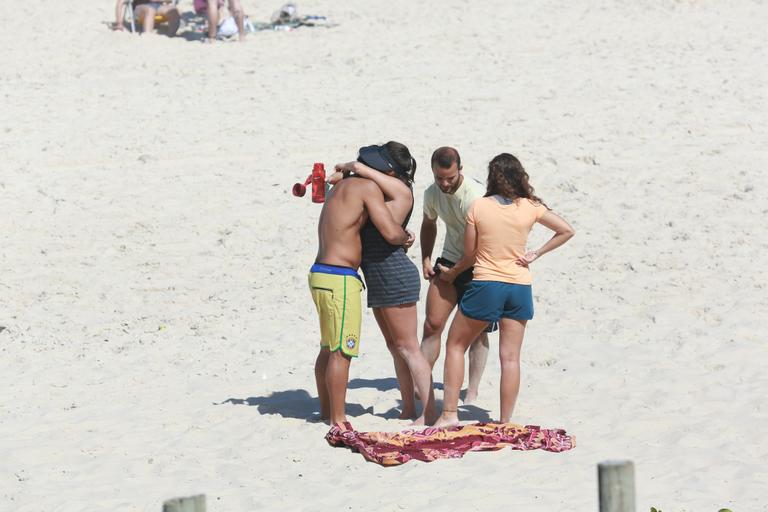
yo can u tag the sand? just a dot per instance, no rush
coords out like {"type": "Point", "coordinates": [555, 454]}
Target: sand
{"type": "Point", "coordinates": [158, 336]}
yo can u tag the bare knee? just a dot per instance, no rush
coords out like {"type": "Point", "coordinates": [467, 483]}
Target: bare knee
{"type": "Point", "coordinates": [509, 360]}
{"type": "Point", "coordinates": [402, 350]}
{"type": "Point", "coordinates": [394, 350]}
{"type": "Point", "coordinates": [455, 346]}
{"type": "Point", "coordinates": [405, 349]}
{"type": "Point", "coordinates": [432, 327]}
{"type": "Point", "coordinates": [236, 9]}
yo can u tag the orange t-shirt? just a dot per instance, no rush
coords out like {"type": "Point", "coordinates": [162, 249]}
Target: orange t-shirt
{"type": "Point", "coordinates": [502, 234]}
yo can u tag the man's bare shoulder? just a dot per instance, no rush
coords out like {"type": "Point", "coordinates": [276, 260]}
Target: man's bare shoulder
{"type": "Point", "coordinates": [359, 187]}
{"type": "Point", "coordinates": [360, 184]}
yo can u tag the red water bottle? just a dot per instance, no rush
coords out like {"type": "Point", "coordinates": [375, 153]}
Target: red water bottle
{"type": "Point", "coordinates": [318, 183]}
{"type": "Point", "coordinates": [317, 179]}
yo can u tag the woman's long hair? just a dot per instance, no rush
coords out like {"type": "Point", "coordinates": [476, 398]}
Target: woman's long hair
{"type": "Point", "coordinates": [507, 178]}
{"type": "Point", "coordinates": [400, 154]}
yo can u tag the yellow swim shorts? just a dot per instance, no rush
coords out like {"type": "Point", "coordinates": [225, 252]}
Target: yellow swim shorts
{"type": "Point", "coordinates": [337, 299]}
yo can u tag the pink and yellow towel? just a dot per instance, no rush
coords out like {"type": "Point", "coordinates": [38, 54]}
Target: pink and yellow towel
{"type": "Point", "coordinates": [395, 448]}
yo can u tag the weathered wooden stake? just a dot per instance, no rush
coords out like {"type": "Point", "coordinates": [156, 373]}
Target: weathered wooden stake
{"type": "Point", "coordinates": [616, 480]}
{"type": "Point", "coordinates": [191, 504]}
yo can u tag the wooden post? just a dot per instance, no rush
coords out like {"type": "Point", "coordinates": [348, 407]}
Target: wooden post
{"type": "Point", "coordinates": [191, 504]}
{"type": "Point", "coordinates": [616, 480]}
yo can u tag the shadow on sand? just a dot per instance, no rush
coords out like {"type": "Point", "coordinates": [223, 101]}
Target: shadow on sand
{"type": "Point", "coordinates": [299, 404]}
{"type": "Point", "coordinates": [381, 384]}
{"type": "Point", "coordinates": [192, 27]}
{"type": "Point", "coordinates": [293, 403]}
{"type": "Point", "coordinates": [473, 413]}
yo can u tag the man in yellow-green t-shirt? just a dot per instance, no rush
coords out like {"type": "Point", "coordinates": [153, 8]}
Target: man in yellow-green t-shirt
{"type": "Point", "coordinates": [448, 199]}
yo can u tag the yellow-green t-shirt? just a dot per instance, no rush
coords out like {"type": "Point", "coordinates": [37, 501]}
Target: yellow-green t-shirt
{"type": "Point", "coordinates": [452, 210]}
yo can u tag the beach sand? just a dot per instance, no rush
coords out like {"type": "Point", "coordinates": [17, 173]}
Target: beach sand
{"type": "Point", "coordinates": [159, 337]}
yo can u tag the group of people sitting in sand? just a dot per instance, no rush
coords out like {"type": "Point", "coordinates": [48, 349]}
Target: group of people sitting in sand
{"type": "Point", "coordinates": [484, 268]}
{"type": "Point", "coordinates": [146, 11]}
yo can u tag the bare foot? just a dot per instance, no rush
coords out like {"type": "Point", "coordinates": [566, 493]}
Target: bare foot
{"type": "Point", "coordinates": [407, 414]}
{"type": "Point", "coordinates": [470, 397]}
{"type": "Point", "coordinates": [431, 415]}
{"type": "Point", "coordinates": [447, 419]}
{"type": "Point", "coordinates": [339, 421]}
{"type": "Point", "coordinates": [344, 426]}
{"type": "Point", "coordinates": [428, 417]}
{"type": "Point", "coordinates": [336, 434]}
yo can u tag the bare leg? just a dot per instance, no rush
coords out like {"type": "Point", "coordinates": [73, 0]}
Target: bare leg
{"type": "Point", "coordinates": [321, 364]}
{"type": "Point", "coordinates": [510, 342]}
{"type": "Point", "coordinates": [462, 332]}
{"type": "Point", "coordinates": [172, 15]}
{"type": "Point", "coordinates": [441, 299]}
{"type": "Point", "coordinates": [237, 11]}
{"type": "Point", "coordinates": [401, 321]}
{"type": "Point", "coordinates": [213, 19]}
{"type": "Point", "coordinates": [336, 378]}
{"type": "Point", "coordinates": [404, 379]}
{"type": "Point", "coordinates": [120, 15]}
{"type": "Point", "coordinates": [146, 16]}
{"type": "Point", "coordinates": [478, 355]}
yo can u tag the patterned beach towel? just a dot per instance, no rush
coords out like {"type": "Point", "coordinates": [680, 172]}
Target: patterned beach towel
{"type": "Point", "coordinates": [395, 448]}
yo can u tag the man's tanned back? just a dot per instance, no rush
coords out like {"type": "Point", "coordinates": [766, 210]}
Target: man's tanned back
{"type": "Point", "coordinates": [338, 231]}
{"type": "Point", "coordinates": [347, 207]}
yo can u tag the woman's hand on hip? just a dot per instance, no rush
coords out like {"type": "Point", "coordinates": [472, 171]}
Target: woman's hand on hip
{"type": "Point", "coordinates": [527, 258]}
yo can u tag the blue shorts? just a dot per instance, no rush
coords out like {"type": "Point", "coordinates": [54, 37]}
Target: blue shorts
{"type": "Point", "coordinates": [492, 300]}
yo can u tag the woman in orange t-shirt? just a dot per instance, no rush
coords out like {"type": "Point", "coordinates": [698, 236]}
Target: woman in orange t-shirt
{"type": "Point", "coordinates": [495, 243]}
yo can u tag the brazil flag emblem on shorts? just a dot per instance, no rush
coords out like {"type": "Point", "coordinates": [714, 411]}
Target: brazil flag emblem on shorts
{"type": "Point", "coordinates": [350, 342]}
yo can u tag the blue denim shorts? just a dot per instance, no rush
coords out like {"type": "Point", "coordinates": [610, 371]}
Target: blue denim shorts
{"type": "Point", "coordinates": [492, 300]}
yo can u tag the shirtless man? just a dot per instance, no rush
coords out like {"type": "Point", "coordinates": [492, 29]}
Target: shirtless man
{"type": "Point", "coordinates": [336, 285]}
{"type": "Point", "coordinates": [449, 199]}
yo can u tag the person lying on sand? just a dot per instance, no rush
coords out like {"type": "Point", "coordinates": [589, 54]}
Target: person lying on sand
{"type": "Point", "coordinates": [144, 12]}
{"type": "Point", "coordinates": [336, 286]}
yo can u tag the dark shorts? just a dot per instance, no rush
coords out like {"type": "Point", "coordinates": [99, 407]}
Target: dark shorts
{"type": "Point", "coordinates": [461, 283]}
{"type": "Point", "coordinates": [492, 300]}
